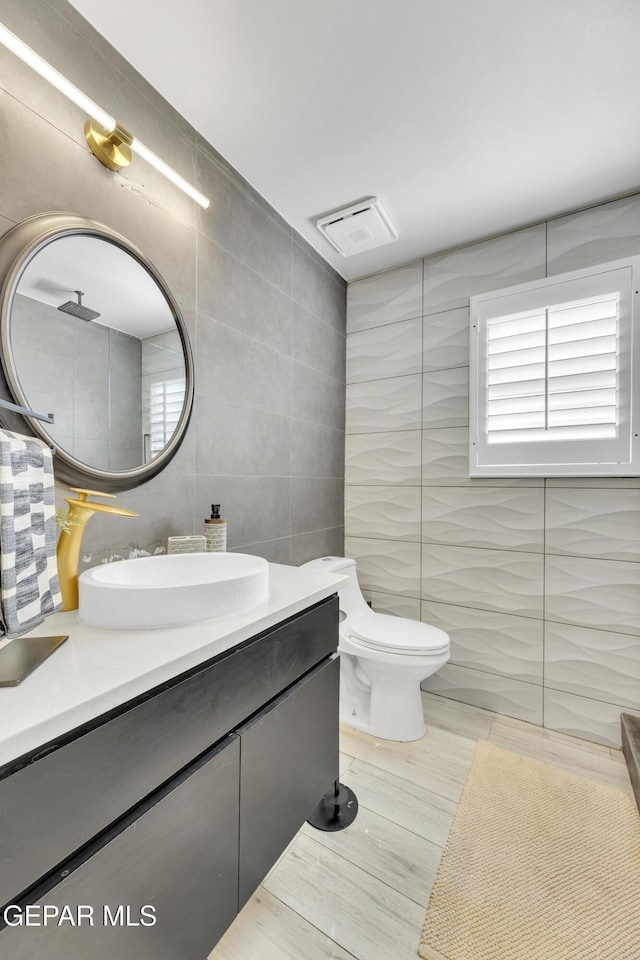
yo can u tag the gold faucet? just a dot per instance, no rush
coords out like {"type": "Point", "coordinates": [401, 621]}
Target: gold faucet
{"type": "Point", "coordinates": [68, 552]}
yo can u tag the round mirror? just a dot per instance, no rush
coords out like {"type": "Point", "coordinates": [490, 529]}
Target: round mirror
{"type": "Point", "coordinates": [92, 339]}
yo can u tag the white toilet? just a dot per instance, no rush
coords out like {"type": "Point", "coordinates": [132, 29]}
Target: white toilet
{"type": "Point", "coordinates": [382, 662]}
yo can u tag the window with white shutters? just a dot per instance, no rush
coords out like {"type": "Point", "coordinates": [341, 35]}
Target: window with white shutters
{"type": "Point", "coordinates": [551, 390]}
{"type": "Point", "coordinates": [166, 400]}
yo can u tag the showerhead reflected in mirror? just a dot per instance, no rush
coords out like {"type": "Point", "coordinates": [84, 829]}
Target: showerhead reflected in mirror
{"type": "Point", "coordinates": [91, 333]}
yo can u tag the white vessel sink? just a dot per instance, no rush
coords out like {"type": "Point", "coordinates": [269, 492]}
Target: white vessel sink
{"type": "Point", "coordinates": [167, 590]}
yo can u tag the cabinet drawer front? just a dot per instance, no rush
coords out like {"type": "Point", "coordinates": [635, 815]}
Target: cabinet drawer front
{"type": "Point", "coordinates": [180, 856]}
{"type": "Point", "coordinates": [289, 759]}
{"type": "Point", "coordinates": [59, 802]}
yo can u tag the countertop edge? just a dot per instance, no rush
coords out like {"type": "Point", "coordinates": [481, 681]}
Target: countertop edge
{"type": "Point", "coordinates": [95, 670]}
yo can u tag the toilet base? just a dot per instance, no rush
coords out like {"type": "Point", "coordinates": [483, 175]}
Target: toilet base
{"type": "Point", "coordinates": [402, 729]}
{"type": "Point", "coordinates": [397, 714]}
{"type": "Point", "coordinates": [384, 699]}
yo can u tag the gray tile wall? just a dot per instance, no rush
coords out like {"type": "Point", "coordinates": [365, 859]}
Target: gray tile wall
{"type": "Point", "coordinates": [70, 373]}
{"type": "Point", "coordinates": [537, 582]}
{"type": "Point", "coordinates": [266, 315]}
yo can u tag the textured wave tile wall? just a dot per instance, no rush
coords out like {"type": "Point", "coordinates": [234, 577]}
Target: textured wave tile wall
{"type": "Point", "coordinates": [500, 580]}
{"type": "Point", "coordinates": [497, 518]}
{"type": "Point", "coordinates": [445, 397]}
{"type": "Point", "coordinates": [593, 593]}
{"type": "Point", "coordinates": [445, 456]}
{"type": "Point", "coordinates": [500, 694]}
{"type": "Point", "coordinates": [593, 663]}
{"type": "Point", "coordinates": [445, 339]}
{"type": "Point", "coordinates": [393, 605]}
{"type": "Point", "coordinates": [601, 523]}
{"type": "Point", "coordinates": [486, 544]}
{"type": "Point", "coordinates": [394, 350]}
{"type": "Point", "coordinates": [492, 642]}
{"type": "Point", "coordinates": [384, 405]}
{"type": "Point", "coordinates": [607, 232]}
{"type": "Point", "coordinates": [445, 461]}
{"type": "Point", "coordinates": [385, 298]}
{"type": "Point", "coordinates": [390, 513]}
{"type": "Point", "coordinates": [451, 278]}
{"type": "Point", "coordinates": [582, 717]}
{"type": "Point", "coordinates": [384, 458]}
{"type": "Point", "coordinates": [386, 566]}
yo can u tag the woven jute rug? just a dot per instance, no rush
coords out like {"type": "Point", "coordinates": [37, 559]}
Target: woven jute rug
{"type": "Point", "coordinates": [539, 865]}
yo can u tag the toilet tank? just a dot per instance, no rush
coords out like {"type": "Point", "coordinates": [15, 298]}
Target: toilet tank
{"type": "Point", "coordinates": [352, 602]}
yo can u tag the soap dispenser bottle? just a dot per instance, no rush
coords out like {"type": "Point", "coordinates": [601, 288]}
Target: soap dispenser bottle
{"type": "Point", "coordinates": [215, 531]}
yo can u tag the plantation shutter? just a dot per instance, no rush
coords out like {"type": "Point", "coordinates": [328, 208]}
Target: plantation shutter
{"type": "Point", "coordinates": [553, 372]}
{"type": "Point", "coordinates": [166, 400]}
{"type": "Point", "coordinates": [550, 376]}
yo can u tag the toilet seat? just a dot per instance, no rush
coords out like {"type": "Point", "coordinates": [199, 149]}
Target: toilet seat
{"type": "Point", "coordinates": [397, 635]}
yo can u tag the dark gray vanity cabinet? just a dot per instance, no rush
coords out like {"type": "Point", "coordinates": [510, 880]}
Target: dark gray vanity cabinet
{"type": "Point", "coordinates": [232, 759]}
{"type": "Point", "coordinates": [287, 763]}
{"type": "Point", "coordinates": [179, 855]}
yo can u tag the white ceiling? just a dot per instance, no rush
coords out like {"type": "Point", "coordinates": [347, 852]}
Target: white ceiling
{"type": "Point", "coordinates": [466, 117]}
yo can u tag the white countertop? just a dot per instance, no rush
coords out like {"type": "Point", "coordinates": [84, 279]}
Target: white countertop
{"type": "Point", "coordinates": [96, 670]}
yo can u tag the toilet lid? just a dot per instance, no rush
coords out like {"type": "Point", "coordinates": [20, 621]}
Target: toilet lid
{"type": "Point", "coordinates": [398, 635]}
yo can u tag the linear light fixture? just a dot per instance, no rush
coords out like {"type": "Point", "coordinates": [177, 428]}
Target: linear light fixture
{"type": "Point", "coordinates": [109, 142]}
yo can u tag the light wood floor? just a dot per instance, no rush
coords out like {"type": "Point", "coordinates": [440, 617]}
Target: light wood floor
{"type": "Point", "coordinates": [362, 893]}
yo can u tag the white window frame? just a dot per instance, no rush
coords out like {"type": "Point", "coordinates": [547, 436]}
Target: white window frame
{"type": "Point", "coordinates": [162, 422]}
{"type": "Point", "coordinates": [586, 457]}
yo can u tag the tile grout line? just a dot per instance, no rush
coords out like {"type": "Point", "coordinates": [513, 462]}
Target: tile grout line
{"type": "Point", "coordinates": [406, 376]}
{"type": "Point", "coordinates": [395, 823]}
{"type": "Point", "coordinates": [397, 776]}
{"type": "Point", "coordinates": [442, 796]}
{"type": "Point", "coordinates": [267, 344]}
{"type": "Point", "coordinates": [307, 921]}
{"type": "Point", "coordinates": [364, 870]}
{"type": "Point", "coordinates": [418, 316]}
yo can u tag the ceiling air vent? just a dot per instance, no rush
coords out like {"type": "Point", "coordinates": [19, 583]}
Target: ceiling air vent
{"type": "Point", "coordinates": [357, 228]}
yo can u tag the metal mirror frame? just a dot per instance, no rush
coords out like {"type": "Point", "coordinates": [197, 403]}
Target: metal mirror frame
{"type": "Point", "coordinates": [18, 247]}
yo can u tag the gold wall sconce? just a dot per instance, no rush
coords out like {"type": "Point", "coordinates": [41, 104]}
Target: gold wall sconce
{"type": "Point", "coordinates": [112, 144]}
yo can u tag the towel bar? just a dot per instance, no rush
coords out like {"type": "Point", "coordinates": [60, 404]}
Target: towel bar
{"type": "Point", "coordinates": [48, 418]}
